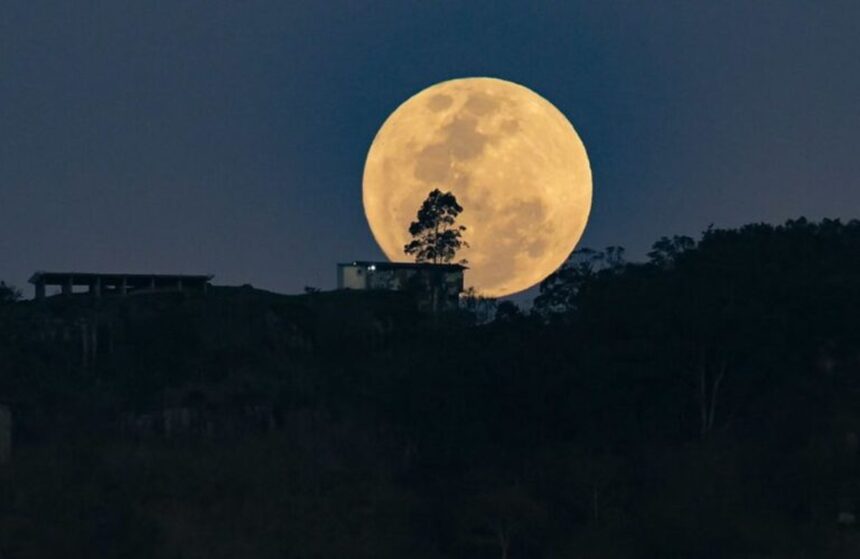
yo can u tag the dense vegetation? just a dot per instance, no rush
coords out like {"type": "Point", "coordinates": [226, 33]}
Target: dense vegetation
{"type": "Point", "coordinates": [700, 404]}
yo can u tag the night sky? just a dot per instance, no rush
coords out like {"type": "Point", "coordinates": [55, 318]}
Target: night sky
{"type": "Point", "coordinates": [230, 137]}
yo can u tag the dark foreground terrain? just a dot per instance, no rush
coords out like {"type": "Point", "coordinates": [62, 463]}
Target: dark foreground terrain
{"type": "Point", "coordinates": [705, 403]}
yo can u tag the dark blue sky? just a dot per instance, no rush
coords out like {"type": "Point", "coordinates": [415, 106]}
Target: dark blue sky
{"type": "Point", "coordinates": [229, 137]}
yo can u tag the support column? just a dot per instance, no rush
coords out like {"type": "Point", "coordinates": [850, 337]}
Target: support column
{"type": "Point", "coordinates": [67, 286]}
{"type": "Point", "coordinates": [5, 434]}
{"type": "Point", "coordinates": [96, 288]}
{"type": "Point", "coordinates": [40, 290]}
{"type": "Point", "coordinates": [123, 287]}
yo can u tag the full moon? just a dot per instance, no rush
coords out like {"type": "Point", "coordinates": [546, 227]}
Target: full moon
{"type": "Point", "coordinates": [513, 161]}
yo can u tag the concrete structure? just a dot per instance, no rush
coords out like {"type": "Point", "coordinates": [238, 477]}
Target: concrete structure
{"type": "Point", "coordinates": [438, 286]}
{"type": "Point", "coordinates": [117, 284]}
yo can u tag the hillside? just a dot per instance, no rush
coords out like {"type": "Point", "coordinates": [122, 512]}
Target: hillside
{"type": "Point", "coordinates": [700, 404]}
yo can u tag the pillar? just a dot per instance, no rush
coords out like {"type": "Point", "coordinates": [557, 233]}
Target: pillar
{"type": "Point", "coordinates": [5, 434]}
{"type": "Point", "coordinates": [96, 288]}
{"type": "Point", "coordinates": [40, 289]}
{"type": "Point", "coordinates": [67, 286]}
{"type": "Point", "coordinates": [123, 287]}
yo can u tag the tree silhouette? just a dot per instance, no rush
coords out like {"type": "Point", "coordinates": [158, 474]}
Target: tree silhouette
{"type": "Point", "coordinates": [560, 291]}
{"type": "Point", "coordinates": [665, 252]}
{"type": "Point", "coordinates": [508, 311]}
{"type": "Point", "coordinates": [435, 237]}
{"type": "Point", "coordinates": [8, 294]}
{"type": "Point", "coordinates": [479, 308]}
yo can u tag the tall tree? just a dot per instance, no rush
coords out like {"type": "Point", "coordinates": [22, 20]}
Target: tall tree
{"type": "Point", "coordinates": [435, 237]}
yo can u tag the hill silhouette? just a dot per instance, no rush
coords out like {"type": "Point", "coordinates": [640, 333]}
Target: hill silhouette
{"type": "Point", "coordinates": [700, 404]}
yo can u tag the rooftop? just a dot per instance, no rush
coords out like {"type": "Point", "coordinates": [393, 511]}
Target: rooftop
{"type": "Point", "coordinates": [404, 265]}
{"type": "Point", "coordinates": [84, 278]}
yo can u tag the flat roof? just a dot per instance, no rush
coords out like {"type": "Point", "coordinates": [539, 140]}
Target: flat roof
{"type": "Point", "coordinates": [404, 265]}
{"type": "Point", "coordinates": [82, 278]}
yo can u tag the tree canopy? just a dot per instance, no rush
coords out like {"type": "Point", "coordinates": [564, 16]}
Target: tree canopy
{"type": "Point", "coordinates": [436, 237]}
{"type": "Point", "coordinates": [8, 294]}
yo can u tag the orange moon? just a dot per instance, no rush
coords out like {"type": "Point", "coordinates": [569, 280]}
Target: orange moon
{"type": "Point", "coordinates": [514, 162]}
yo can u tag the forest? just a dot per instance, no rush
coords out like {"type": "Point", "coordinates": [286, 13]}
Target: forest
{"type": "Point", "coordinates": [702, 403]}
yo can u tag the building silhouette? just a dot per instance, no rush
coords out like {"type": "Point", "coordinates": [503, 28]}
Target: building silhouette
{"type": "Point", "coordinates": [436, 286]}
{"type": "Point", "coordinates": [117, 284]}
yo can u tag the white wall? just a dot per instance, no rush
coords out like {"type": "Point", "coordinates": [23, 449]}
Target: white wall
{"type": "Point", "coordinates": [353, 277]}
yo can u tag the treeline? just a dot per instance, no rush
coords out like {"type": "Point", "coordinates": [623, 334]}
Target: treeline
{"type": "Point", "coordinates": [700, 404]}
